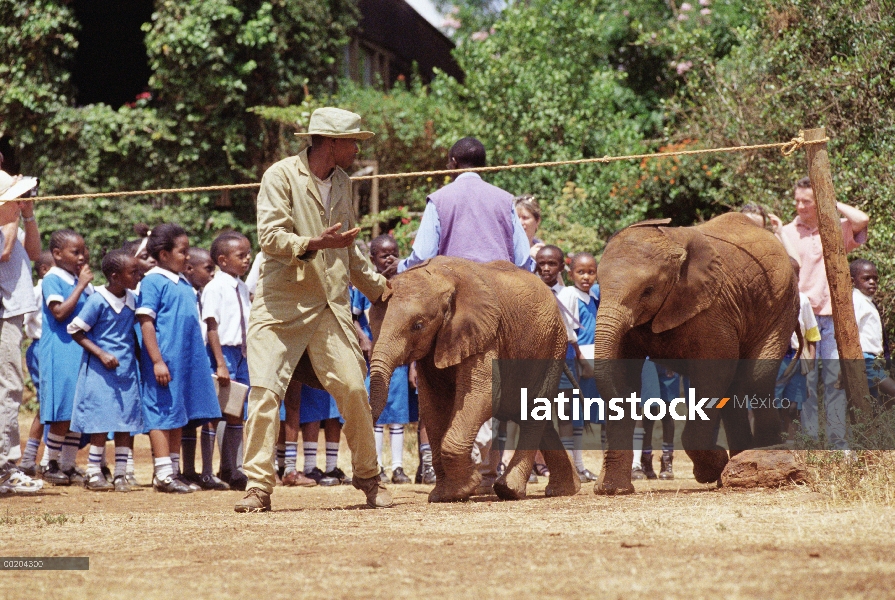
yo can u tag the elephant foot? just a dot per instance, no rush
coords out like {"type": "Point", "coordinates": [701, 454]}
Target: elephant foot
{"type": "Point", "coordinates": [615, 476]}
{"type": "Point", "coordinates": [445, 491]}
{"type": "Point", "coordinates": [505, 492]}
{"type": "Point", "coordinates": [444, 495]}
{"type": "Point", "coordinates": [562, 488]}
{"type": "Point", "coordinates": [708, 464]}
{"type": "Point", "coordinates": [617, 486]}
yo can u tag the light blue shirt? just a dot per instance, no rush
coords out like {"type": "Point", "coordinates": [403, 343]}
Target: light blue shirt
{"type": "Point", "coordinates": [428, 239]}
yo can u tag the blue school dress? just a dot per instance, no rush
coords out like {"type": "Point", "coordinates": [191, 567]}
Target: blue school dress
{"type": "Point", "coordinates": [397, 407]}
{"type": "Point", "coordinates": [317, 405]}
{"type": "Point", "coordinates": [58, 354]}
{"type": "Point", "coordinates": [108, 400]}
{"type": "Point", "coordinates": [190, 397]}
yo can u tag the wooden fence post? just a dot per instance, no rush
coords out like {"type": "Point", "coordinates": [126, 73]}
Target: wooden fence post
{"type": "Point", "coordinates": [851, 358]}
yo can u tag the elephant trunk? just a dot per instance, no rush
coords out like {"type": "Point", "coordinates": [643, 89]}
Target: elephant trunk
{"type": "Point", "coordinates": [613, 322]}
{"type": "Point", "coordinates": [381, 369]}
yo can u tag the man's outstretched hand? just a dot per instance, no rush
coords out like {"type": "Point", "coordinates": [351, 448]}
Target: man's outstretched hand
{"type": "Point", "coordinates": [332, 238]}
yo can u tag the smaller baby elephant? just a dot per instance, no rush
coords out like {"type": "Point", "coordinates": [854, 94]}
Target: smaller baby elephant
{"type": "Point", "coordinates": [455, 317]}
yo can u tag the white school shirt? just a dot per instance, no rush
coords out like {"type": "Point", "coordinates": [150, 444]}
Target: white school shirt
{"type": "Point", "coordinates": [568, 317]}
{"type": "Point", "coordinates": [34, 320]}
{"type": "Point", "coordinates": [569, 297]}
{"type": "Point", "coordinates": [202, 324]}
{"type": "Point", "coordinates": [117, 304]}
{"type": "Point", "coordinates": [221, 303]}
{"type": "Point", "coordinates": [67, 278]}
{"type": "Point", "coordinates": [870, 327]}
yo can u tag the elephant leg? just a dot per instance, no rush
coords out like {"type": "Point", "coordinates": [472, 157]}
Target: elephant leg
{"type": "Point", "coordinates": [761, 375]}
{"type": "Point", "coordinates": [711, 379]}
{"type": "Point", "coordinates": [512, 484]}
{"type": "Point", "coordinates": [472, 407]}
{"type": "Point", "coordinates": [436, 395]}
{"type": "Point", "coordinates": [615, 476]}
{"type": "Point", "coordinates": [564, 480]}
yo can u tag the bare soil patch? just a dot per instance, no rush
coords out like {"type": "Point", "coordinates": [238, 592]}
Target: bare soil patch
{"type": "Point", "coordinates": [670, 539]}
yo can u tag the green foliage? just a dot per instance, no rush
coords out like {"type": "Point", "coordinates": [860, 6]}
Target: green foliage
{"type": "Point", "coordinates": [803, 65]}
{"type": "Point", "coordinates": [211, 60]}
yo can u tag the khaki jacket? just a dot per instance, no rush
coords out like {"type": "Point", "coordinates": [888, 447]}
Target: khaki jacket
{"type": "Point", "coordinates": [295, 286]}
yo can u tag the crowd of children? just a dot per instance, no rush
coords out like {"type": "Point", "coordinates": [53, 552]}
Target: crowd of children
{"type": "Point", "coordinates": [143, 354]}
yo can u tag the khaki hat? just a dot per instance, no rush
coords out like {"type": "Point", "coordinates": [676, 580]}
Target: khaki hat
{"type": "Point", "coordinates": [336, 123]}
{"type": "Point", "coordinates": [14, 187]}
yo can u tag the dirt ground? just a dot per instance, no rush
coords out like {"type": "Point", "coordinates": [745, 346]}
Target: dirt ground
{"type": "Point", "coordinates": [669, 540]}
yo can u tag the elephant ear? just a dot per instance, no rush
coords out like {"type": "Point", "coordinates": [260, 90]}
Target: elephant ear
{"type": "Point", "coordinates": [471, 320]}
{"type": "Point", "coordinates": [698, 283]}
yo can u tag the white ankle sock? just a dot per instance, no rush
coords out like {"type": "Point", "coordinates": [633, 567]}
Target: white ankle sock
{"type": "Point", "coordinates": [291, 456]}
{"type": "Point", "coordinates": [310, 449]}
{"type": "Point", "coordinates": [121, 461]}
{"type": "Point", "coordinates": [638, 447]}
{"type": "Point", "coordinates": [69, 450]}
{"type": "Point", "coordinates": [377, 435]}
{"type": "Point", "coordinates": [332, 455]}
{"type": "Point", "coordinates": [95, 459]}
{"type": "Point", "coordinates": [163, 468]}
{"type": "Point", "coordinates": [175, 462]}
{"type": "Point", "coordinates": [54, 446]}
{"type": "Point", "coordinates": [29, 457]}
{"type": "Point", "coordinates": [396, 441]}
{"type": "Point", "coordinates": [130, 461]}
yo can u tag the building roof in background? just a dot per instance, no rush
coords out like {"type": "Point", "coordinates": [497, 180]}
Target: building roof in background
{"type": "Point", "coordinates": [428, 11]}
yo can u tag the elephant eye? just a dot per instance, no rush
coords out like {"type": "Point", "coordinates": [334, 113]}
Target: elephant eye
{"type": "Point", "coordinates": [416, 326]}
{"type": "Point", "coordinates": [647, 291]}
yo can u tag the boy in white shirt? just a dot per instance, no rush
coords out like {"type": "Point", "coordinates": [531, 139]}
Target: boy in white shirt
{"type": "Point", "coordinates": [870, 329]}
{"type": "Point", "coordinates": [225, 309]}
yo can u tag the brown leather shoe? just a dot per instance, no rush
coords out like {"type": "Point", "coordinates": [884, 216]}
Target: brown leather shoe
{"type": "Point", "coordinates": [297, 478]}
{"type": "Point", "coordinates": [257, 500]}
{"type": "Point", "coordinates": [377, 495]}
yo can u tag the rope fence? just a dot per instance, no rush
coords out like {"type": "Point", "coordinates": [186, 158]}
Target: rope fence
{"type": "Point", "coordinates": [786, 148]}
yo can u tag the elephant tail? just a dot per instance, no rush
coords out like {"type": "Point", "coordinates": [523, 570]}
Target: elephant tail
{"type": "Point", "coordinates": [796, 360]}
{"type": "Point", "coordinates": [570, 375]}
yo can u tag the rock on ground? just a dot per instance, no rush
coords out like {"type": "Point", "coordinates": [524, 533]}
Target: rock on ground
{"type": "Point", "coordinates": [764, 468]}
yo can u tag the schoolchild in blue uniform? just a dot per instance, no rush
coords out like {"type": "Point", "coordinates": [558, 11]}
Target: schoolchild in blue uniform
{"type": "Point", "coordinates": [65, 289]}
{"type": "Point", "coordinates": [177, 387]}
{"type": "Point", "coordinates": [33, 328]}
{"type": "Point", "coordinates": [396, 413]}
{"type": "Point", "coordinates": [199, 272]}
{"type": "Point", "coordinates": [581, 301]}
{"type": "Point", "coordinates": [225, 311]}
{"type": "Point", "coordinates": [107, 396]}
{"type": "Point", "coordinates": [137, 249]}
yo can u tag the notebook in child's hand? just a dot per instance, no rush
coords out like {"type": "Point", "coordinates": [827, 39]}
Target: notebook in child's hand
{"type": "Point", "coordinates": [231, 396]}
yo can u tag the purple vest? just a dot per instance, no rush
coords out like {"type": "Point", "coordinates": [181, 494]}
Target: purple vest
{"type": "Point", "coordinates": [476, 220]}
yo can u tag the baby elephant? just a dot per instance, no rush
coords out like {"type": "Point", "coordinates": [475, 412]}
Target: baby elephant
{"type": "Point", "coordinates": [454, 317]}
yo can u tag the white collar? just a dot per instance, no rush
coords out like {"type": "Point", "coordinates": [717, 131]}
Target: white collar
{"type": "Point", "coordinates": [169, 274]}
{"type": "Point", "coordinates": [467, 175]}
{"type": "Point", "coordinates": [582, 296]}
{"type": "Point", "coordinates": [227, 278]}
{"type": "Point", "coordinates": [558, 286]}
{"type": "Point", "coordinates": [115, 302]}
{"type": "Point", "coordinates": [62, 274]}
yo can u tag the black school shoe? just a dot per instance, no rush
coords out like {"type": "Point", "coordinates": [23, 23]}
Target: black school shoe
{"type": "Point", "coordinates": [55, 475]}
{"type": "Point", "coordinates": [335, 477]}
{"type": "Point", "coordinates": [169, 485]}
{"type": "Point", "coordinates": [237, 480]}
{"type": "Point", "coordinates": [398, 476]}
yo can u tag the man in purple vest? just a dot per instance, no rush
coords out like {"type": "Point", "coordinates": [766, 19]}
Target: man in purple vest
{"type": "Point", "coordinates": [470, 218]}
{"type": "Point", "coordinates": [475, 220]}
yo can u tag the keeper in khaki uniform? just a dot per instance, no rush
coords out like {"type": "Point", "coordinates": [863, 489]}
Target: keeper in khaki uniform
{"type": "Point", "coordinates": [300, 323]}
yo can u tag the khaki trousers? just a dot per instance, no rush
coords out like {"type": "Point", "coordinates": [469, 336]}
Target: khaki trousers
{"type": "Point", "coordinates": [338, 369]}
